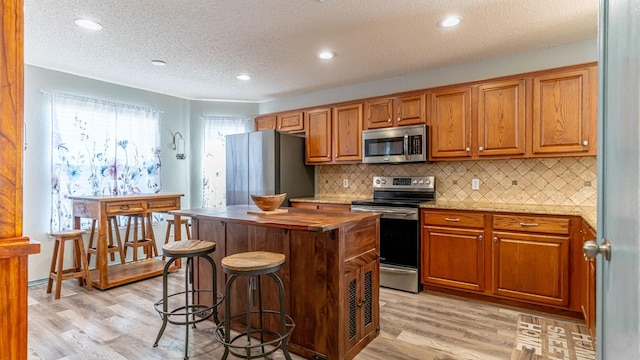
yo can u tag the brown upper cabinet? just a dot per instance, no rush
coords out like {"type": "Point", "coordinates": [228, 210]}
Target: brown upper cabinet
{"type": "Point", "coordinates": [544, 114]}
{"type": "Point", "coordinates": [334, 135]}
{"type": "Point", "coordinates": [292, 122]}
{"type": "Point", "coordinates": [565, 112]}
{"type": "Point", "coordinates": [395, 111]}
{"type": "Point", "coordinates": [501, 118]}
{"type": "Point", "coordinates": [450, 123]}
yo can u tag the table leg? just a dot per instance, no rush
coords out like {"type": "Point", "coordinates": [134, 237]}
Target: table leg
{"type": "Point", "coordinates": [101, 256]}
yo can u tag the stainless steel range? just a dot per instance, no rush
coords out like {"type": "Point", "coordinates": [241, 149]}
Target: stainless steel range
{"type": "Point", "coordinates": [398, 200]}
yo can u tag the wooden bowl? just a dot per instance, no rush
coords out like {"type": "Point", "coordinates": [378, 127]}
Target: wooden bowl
{"type": "Point", "coordinates": [268, 202]}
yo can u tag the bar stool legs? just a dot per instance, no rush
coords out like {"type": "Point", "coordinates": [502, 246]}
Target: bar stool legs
{"type": "Point", "coordinates": [185, 313]}
{"type": "Point", "coordinates": [244, 345]}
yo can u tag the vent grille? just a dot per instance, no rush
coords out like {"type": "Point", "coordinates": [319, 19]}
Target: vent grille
{"type": "Point", "coordinates": [352, 309]}
{"type": "Point", "coordinates": [368, 304]}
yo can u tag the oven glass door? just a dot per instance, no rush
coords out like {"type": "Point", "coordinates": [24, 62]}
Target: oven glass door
{"type": "Point", "coordinates": [399, 242]}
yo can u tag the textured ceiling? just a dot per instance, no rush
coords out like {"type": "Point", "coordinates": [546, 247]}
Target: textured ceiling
{"type": "Point", "coordinates": [205, 43]}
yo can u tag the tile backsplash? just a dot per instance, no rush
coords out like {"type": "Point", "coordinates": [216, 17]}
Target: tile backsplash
{"type": "Point", "coordinates": [548, 181]}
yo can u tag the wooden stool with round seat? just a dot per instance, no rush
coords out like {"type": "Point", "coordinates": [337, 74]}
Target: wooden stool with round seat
{"type": "Point", "coordinates": [245, 345]}
{"type": "Point", "coordinates": [184, 312]}
{"type": "Point", "coordinates": [80, 269]}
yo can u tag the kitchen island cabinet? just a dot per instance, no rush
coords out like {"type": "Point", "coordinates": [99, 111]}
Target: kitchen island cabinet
{"type": "Point", "coordinates": [330, 275]}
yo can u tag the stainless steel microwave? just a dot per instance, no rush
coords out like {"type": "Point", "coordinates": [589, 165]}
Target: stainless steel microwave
{"type": "Point", "coordinates": [395, 145]}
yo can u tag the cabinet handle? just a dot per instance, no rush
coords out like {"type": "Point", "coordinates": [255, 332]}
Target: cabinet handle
{"type": "Point", "coordinates": [480, 238]}
{"type": "Point", "coordinates": [362, 303]}
{"type": "Point", "coordinates": [480, 148]}
{"type": "Point", "coordinates": [124, 207]}
{"type": "Point", "coordinates": [389, 120]}
{"type": "Point", "coordinates": [495, 239]}
{"type": "Point", "coordinates": [528, 224]}
{"type": "Point", "coordinates": [398, 118]}
{"type": "Point", "coordinates": [585, 143]}
{"type": "Point", "coordinates": [452, 219]}
{"type": "Point", "coordinates": [468, 149]}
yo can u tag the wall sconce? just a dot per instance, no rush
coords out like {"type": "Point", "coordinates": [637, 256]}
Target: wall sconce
{"type": "Point", "coordinates": [178, 146]}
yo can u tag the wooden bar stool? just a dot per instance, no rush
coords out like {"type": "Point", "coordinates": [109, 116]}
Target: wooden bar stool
{"type": "Point", "coordinates": [170, 223]}
{"type": "Point", "coordinates": [80, 269]}
{"type": "Point", "coordinates": [146, 240]}
{"type": "Point", "coordinates": [185, 312]}
{"type": "Point", "coordinates": [112, 225]}
{"type": "Point", "coordinates": [254, 264]}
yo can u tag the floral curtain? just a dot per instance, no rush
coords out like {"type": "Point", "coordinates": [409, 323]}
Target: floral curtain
{"type": "Point", "coordinates": [213, 161]}
{"type": "Point", "coordinates": [100, 148]}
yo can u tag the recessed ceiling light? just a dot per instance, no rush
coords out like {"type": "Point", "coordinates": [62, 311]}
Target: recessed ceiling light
{"type": "Point", "coordinates": [450, 21]}
{"type": "Point", "coordinates": [326, 55]}
{"type": "Point", "coordinates": [88, 24]}
{"type": "Point", "coordinates": [158, 62]}
{"type": "Point", "coordinates": [243, 77]}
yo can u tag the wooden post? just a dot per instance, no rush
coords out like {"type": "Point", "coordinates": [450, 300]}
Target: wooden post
{"type": "Point", "coordinates": [14, 248]}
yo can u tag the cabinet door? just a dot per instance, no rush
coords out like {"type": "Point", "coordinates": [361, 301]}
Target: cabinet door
{"type": "Point", "coordinates": [453, 257]}
{"type": "Point", "coordinates": [362, 308]}
{"type": "Point", "coordinates": [531, 267]}
{"type": "Point", "coordinates": [564, 115]}
{"type": "Point", "coordinates": [588, 298]}
{"type": "Point", "coordinates": [450, 123]}
{"type": "Point", "coordinates": [291, 122]}
{"type": "Point", "coordinates": [410, 110]}
{"type": "Point", "coordinates": [318, 136]}
{"type": "Point", "coordinates": [501, 118]}
{"type": "Point", "coordinates": [266, 122]}
{"type": "Point", "coordinates": [378, 113]}
{"type": "Point", "coordinates": [347, 133]}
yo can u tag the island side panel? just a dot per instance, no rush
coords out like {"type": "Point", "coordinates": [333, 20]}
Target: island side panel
{"type": "Point", "coordinates": [209, 230]}
{"type": "Point", "coordinates": [309, 306]}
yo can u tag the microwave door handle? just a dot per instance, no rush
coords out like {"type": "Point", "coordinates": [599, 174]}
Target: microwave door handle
{"type": "Point", "coordinates": [406, 146]}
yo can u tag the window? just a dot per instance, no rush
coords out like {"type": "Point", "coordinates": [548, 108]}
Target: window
{"type": "Point", "coordinates": [100, 148]}
{"type": "Point", "coordinates": [214, 162]}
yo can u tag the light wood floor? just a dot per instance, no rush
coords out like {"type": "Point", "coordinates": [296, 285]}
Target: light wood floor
{"type": "Point", "coordinates": [121, 323]}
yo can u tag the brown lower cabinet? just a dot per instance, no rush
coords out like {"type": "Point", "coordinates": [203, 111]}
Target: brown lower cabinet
{"type": "Point", "coordinates": [521, 258]}
{"type": "Point", "coordinates": [331, 281]}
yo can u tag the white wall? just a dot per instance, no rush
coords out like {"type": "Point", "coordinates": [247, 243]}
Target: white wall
{"type": "Point", "coordinates": [576, 53]}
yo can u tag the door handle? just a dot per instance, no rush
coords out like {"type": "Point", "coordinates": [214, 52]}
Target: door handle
{"type": "Point", "coordinates": [591, 249]}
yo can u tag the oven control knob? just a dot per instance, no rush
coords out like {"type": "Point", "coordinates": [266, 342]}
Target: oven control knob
{"type": "Point", "coordinates": [378, 181]}
{"type": "Point", "coordinates": [421, 182]}
{"type": "Point", "coordinates": [428, 182]}
{"type": "Point", "coordinates": [384, 181]}
{"type": "Point", "coordinates": [415, 182]}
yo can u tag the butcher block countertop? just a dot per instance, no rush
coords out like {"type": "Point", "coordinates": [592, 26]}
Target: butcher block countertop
{"type": "Point", "coordinates": [294, 218]}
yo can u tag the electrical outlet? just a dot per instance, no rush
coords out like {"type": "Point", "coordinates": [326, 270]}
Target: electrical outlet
{"type": "Point", "coordinates": [345, 183]}
{"type": "Point", "coordinates": [475, 184]}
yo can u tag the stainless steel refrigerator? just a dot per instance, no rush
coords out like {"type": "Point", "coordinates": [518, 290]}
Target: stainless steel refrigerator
{"type": "Point", "coordinates": [266, 163]}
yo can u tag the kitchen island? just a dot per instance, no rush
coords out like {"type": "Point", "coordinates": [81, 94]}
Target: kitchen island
{"type": "Point", "coordinates": [330, 275]}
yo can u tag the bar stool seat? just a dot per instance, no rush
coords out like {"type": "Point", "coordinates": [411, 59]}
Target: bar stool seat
{"type": "Point", "coordinates": [80, 269]}
{"type": "Point", "coordinates": [179, 312]}
{"type": "Point", "coordinates": [254, 264]}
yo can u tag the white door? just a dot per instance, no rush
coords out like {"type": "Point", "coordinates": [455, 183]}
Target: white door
{"type": "Point", "coordinates": [618, 280]}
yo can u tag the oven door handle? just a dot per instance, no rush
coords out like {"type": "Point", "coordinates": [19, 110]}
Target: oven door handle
{"type": "Point", "coordinates": [397, 271]}
{"type": "Point", "coordinates": [387, 213]}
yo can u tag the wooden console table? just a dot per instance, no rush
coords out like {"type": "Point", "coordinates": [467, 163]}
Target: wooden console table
{"type": "Point", "coordinates": [99, 208]}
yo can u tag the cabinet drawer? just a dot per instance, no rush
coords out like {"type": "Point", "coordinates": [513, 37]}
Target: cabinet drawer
{"type": "Point", "coordinates": [453, 219]}
{"type": "Point", "coordinates": [125, 207]}
{"type": "Point", "coordinates": [537, 224]}
{"type": "Point", "coordinates": [163, 205]}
